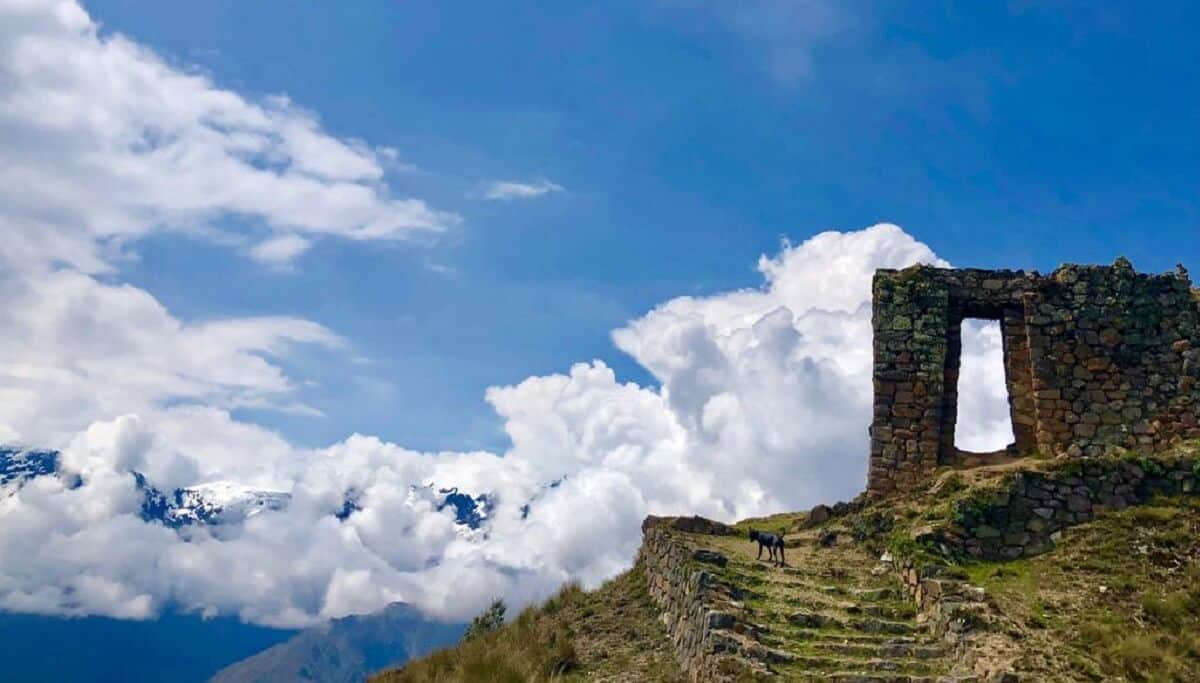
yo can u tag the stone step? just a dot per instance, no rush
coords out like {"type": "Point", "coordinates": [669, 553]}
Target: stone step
{"type": "Point", "coordinates": [894, 610]}
{"type": "Point", "coordinates": [824, 584]}
{"type": "Point", "coordinates": [818, 568]}
{"type": "Point", "coordinates": [819, 620]}
{"type": "Point", "coordinates": [879, 649]}
{"type": "Point", "coordinates": [908, 667]}
{"type": "Point", "coordinates": [851, 641]}
{"type": "Point", "coordinates": [881, 677]}
{"type": "Point", "coordinates": [853, 637]}
{"type": "Point", "coordinates": [834, 616]}
{"type": "Point", "coordinates": [882, 593]}
{"type": "Point", "coordinates": [882, 588]}
{"type": "Point", "coordinates": [841, 633]}
{"type": "Point", "coordinates": [835, 613]}
{"type": "Point", "coordinates": [810, 616]}
{"type": "Point", "coordinates": [837, 573]}
{"type": "Point", "coordinates": [870, 588]}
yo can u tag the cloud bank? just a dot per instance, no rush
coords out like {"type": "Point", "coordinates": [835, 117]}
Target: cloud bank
{"type": "Point", "coordinates": [105, 142]}
{"type": "Point", "coordinates": [761, 404]}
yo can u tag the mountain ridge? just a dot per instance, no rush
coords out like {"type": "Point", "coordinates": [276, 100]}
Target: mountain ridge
{"type": "Point", "coordinates": [345, 650]}
{"type": "Point", "coordinates": [217, 503]}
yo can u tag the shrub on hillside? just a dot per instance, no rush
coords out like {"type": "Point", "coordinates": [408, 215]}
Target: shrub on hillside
{"type": "Point", "coordinates": [487, 621]}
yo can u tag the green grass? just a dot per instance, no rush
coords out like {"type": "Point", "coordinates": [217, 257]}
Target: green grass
{"type": "Point", "coordinates": [528, 649]}
{"type": "Point", "coordinates": [575, 635]}
{"type": "Point", "coordinates": [1119, 599]}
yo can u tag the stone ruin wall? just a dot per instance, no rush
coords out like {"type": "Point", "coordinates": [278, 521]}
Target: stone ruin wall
{"type": "Point", "coordinates": [700, 613]}
{"type": "Point", "coordinates": [1095, 358]}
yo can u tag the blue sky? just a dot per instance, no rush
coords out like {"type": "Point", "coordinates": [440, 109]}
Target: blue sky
{"type": "Point", "coordinates": [689, 141]}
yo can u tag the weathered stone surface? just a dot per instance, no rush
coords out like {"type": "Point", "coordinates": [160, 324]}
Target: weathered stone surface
{"type": "Point", "coordinates": [963, 617]}
{"type": "Point", "coordinates": [819, 515]}
{"type": "Point", "coordinates": [692, 525]}
{"type": "Point", "coordinates": [1038, 505]}
{"type": "Point", "coordinates": [985, 531]}
{"type": "Point", "coordinates": [698, 610]}
{"type": "Point", "coordinates": [809, 620]}
{"type": "Point", "coordinates": [710, 557]}
{"type": "Point", "coordinates": [1096, 358]}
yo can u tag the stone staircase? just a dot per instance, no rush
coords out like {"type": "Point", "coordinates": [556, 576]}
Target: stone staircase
{"type": "Point", "coordinates": [831, 614]}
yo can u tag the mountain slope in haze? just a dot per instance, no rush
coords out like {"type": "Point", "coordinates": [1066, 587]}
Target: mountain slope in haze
{"type": "Point", "coordinates": [182, 648]}
{"type": "Point", "coordinates": [346, 650]}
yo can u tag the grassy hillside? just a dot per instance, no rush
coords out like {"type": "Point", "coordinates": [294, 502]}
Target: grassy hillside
{"type": "Point", "coordinates": [1116, 598]}
{"type": "Point", "coordinates": [1119, 599]}
{"type": "Point", "coordinates": [604, 635]}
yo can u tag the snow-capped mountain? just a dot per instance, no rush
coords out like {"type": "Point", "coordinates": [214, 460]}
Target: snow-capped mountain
{"type": "Point", "coordinates": [227, 503]}
{"type": "Point", "coordinates": [471, 513]}
{"type": "Point", "coordinates": [211, 503]}
{"type": "Point", "coordinates": [18, 465]}
{"type": "Point", "coordinates": [221, 502]}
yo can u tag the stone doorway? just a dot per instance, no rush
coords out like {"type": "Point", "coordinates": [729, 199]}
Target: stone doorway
{"type": "Point", "coordinates": [1097, 359]}
{"type": "Point", "coordinates": [981, 431]}
{"type": "Point", "coordinates": [917, 321]}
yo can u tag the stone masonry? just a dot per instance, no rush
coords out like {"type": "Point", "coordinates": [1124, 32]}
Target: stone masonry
{"type": "Point", "coordinates": [1096, 358]}
{"type": "Point", "coordinates": [1024, 514]}
{"type": "Point", "coordinates": [710, 642]}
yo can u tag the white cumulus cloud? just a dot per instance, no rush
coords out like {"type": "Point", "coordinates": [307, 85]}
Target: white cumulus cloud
{"type": "Point", "coordinates": [105, 141]}
{"type": "Point", "coordinates": [77, 349]}
{"type": "Point", "coordinates": [507, 190]}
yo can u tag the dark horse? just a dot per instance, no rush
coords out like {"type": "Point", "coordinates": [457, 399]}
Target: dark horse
{"type": "Point", "coordinates": [771, 542]}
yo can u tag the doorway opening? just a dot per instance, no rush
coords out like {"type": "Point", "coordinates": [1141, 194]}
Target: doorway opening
{"type": "Point", "coordinates": [983, 423]}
